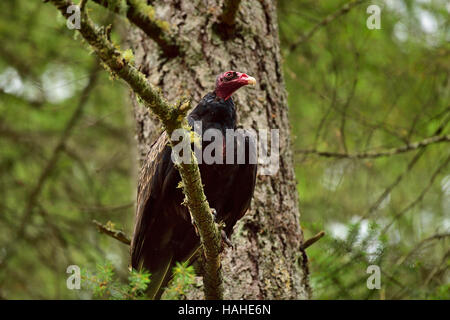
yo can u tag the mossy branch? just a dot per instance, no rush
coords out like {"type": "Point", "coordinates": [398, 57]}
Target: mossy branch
{"type": "Point", "coordinates": [142, 15]}
{"type": "Point", "coordinates": [172, 117]}
{"type": "Point", "coordinates": [204, 221]}
{"type": "Point", "coordinates": [111, 231]}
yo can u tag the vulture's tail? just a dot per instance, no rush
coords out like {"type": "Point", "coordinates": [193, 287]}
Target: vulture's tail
{"type": "Point", "coordinates": [160, 277]}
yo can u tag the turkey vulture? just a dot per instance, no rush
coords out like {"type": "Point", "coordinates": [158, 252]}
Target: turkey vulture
{"type": "Point", "coordinates": [163, 232]}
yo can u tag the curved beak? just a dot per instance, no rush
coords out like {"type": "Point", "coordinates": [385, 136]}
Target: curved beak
{"type": "Point", "coordinates": [251, 81]}
{"type": "Point", "coordinates": [245, 79]}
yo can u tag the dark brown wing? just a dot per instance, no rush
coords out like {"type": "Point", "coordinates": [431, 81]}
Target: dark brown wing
{"type": "Point", "coordinates": [163, 232]}
{"type": "Point", "coordinates": [243, 187]}
{"type": "Point", "coordinates": [146, 188]}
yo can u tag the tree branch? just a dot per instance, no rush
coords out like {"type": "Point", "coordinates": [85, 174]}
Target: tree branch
{"type": "Point", "coordinates": [412, 252]}
{"type": "Point", "coordinates": [109, 230]}
{"type": "Point", "coordinates": [143, 16]}
{"type": "Point", "coordinates": [342, 11]}
{"type": "Point", "coordinates": [230, 10]}
{"type": "Point", "coordinates": [383, 153]}
{"type": "Point", "coordinates": [400, 177]}
{"type": "Point", "coordinates": [442, 266]}
{"type": "Point", "coordinates": [437, 236]}
{"type": "Point", "coordinates": [308, 243]}
{"type": "Point", "coordinates": [420, 197]}
{"type": "Point", "coordinates": [172, 117]}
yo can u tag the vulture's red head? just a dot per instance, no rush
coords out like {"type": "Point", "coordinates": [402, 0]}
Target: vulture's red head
{"type": "Point", "coordinates": [228, 82]}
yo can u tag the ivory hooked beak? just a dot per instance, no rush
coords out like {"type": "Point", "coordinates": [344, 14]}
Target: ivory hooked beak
{"type": "Point", "coordinates": [251, 81]}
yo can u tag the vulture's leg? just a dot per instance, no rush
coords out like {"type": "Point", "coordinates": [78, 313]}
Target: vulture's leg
{"type": "Point", "coordinates": [214, 213]}
{"type": "Point", "coordinates": [223, 234]}
{"type": "Point", "coordinates": [195, 226]}
{"type": "Point", "coordinates": [226, 240]}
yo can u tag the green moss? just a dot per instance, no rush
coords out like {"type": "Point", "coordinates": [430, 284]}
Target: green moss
{"type": "Point", "coordinates": [128, 56]}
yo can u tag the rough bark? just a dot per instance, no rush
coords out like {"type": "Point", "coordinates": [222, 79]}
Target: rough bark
{"type": "Point", "coordinates": [267, 262]}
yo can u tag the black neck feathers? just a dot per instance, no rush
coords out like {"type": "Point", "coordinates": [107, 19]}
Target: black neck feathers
{"type": "Point", "coordinates": [214, 112]}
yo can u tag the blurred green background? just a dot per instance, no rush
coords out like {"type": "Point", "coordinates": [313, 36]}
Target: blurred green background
{"type": "Point", "coordinates": [68, 156]}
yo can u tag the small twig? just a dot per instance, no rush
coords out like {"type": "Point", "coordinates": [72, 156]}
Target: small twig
{"type": "Point", "coordinates": [142, 16]}
{"type": "Point", "coordinates": [440, 267]}
{"type": "Point", "coordinates": [377, 154]}
{"type": "Point", "coordinates": [355, 114]}
{"type": "Point", "coordinates": [437, 236]}
{"type": "Point", "coordinates": [313, 240]}
{"type": "Point", "coordinates": [402, 259]}
{"type": "Point", "coordinates": [400, 177]}
{"type": "Point", "coordinates": [421, 196]}
{"type": "Point", "coordinates": [342, 11]}
{"type": "Point", "coordinates": [109, 230]}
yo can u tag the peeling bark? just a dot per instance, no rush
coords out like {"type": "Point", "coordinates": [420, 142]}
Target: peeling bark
{"type": "Point", "coordinates": [268, 262]}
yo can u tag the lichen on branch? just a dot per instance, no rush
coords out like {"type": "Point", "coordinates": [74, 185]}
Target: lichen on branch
{"type": "Point", "coordinates": [142, 15]}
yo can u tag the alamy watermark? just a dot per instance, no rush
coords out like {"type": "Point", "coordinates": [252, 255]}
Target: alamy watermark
{"type": "Point", "coordinates": [240, 146]}
{"type": "Point", "coordinates": [374, 280]}
{"type": "Point", "coordinates": [74, 21]}
{"type": "Point", "coordinates": [73, 282]}
{"type": "Point", "coordinates": [374, 20]}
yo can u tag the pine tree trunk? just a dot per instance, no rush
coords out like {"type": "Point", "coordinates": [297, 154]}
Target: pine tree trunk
{"type": "Point", "coordinates": [267, 262]}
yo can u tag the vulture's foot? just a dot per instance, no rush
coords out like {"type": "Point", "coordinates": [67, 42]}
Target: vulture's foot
{"type": "Point", "coordinates": [195, 226]}
{"type": "Point", "coordinates": [226, 240]}
{"type": "Point", "coordinates": [220, 224]}
{"type": "Point", "coordinates": [214, 213]}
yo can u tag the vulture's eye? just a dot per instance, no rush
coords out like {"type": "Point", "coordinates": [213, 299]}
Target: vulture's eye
{"type": "Point", "coordinates": [229, 76]}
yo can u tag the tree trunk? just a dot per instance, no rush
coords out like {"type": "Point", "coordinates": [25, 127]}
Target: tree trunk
{"type": "Point", "coordinates": [267, 262]}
